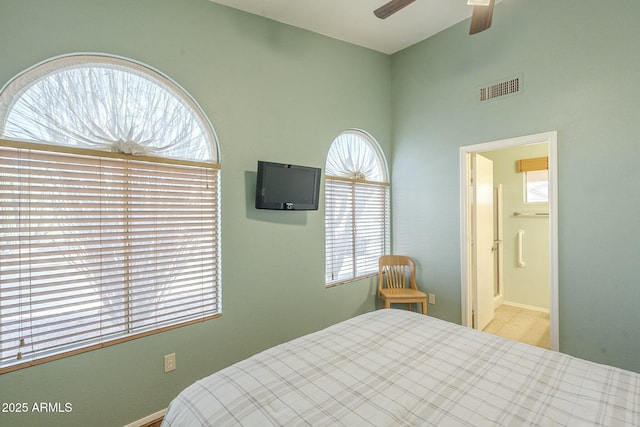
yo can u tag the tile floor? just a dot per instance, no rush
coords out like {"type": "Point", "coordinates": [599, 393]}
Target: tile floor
{"type": "Point", "coordinates": [521, 324]}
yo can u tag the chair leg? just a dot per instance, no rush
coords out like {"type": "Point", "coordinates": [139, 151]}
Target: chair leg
{"type": "Point", "coordinates": [424, 307]}
{"type": "Point", "coordinates": [409, 306]}
{"type": "Point", "coordinates": [387, 303]}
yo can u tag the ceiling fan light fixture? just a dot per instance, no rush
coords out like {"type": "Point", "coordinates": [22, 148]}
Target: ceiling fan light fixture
{"type": "Point", "coordinates": [478, 2]}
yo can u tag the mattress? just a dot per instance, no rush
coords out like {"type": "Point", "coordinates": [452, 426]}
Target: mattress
{"type": "Point", "coordinates": [399, 368]}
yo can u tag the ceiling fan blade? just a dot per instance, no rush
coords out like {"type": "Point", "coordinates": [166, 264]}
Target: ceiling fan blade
{"type": "Point", "coordinates": [390, 8]}
{"type": "Point", "coordinates": [481, 18]}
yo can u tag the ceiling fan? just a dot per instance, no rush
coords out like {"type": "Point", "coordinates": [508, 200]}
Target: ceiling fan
{"type": "Point", "coordinates": [480, 19]}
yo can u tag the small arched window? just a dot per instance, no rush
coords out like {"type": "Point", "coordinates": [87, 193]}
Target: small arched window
{"type": "Point", "coordinates": [357, 207]}
{"type": "Point", "coordinates": [110, 195]}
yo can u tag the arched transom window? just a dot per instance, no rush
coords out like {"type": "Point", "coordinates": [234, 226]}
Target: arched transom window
{"type": "Point", "coordinates": [357, 207]}
{"type": "Point", "coordinates": [110, 192]}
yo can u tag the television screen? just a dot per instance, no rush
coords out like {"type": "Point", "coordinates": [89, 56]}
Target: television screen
{"type": "Point", "coordinates": [287, 187]}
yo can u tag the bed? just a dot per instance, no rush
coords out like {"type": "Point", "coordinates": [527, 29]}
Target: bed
{"type": "Point", "coordinates": [399, 368]}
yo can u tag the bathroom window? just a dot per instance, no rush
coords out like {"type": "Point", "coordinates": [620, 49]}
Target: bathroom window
{"type": "Point", "coordinates": [535, 176]}
{"type": "Point", "coordinates": [536, 184]}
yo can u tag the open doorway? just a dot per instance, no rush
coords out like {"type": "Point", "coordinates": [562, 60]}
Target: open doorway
{"type": "Point", "coordinates": [481, 245]}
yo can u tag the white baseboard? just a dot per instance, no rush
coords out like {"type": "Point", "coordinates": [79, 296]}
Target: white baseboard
{"type": "Point", "coordinates": [148, 419]}
{"type": "Point", "coordinates": [528, 307]}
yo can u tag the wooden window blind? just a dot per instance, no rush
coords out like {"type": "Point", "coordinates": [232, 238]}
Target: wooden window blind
{"type": "Point", "coordinates": [102, 248]}
{"type": "Point", "coordinates": [357, 227]}
{"type": "Point", "coordinates": [534, 164]}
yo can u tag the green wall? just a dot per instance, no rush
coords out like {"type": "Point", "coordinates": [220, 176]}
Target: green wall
{"type": "Point", "coordinates": [273, 92]}
{"type": "Point", "coordinates": [579, 63]}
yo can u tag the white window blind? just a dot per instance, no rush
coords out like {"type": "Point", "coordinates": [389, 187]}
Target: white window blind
{"type": "Point", "coordinates": [100, 249]}
{"type": "Point", "coordinates": [109, 208]}
{"type": "Point", "coordinates": [356, 228]}
{"type": "Point", "coordinates": [356, 208]}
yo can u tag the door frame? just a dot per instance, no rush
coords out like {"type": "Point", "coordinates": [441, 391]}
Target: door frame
{"type": "Point", "coordinates": [551, 138]}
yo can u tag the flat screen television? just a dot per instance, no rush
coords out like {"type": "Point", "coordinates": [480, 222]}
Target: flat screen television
{"type": "Point", "coordinates": [287, 187]}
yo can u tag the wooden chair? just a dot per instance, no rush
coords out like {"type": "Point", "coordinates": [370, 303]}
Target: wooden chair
{"type": "Point", "coordinates": [393, 271]}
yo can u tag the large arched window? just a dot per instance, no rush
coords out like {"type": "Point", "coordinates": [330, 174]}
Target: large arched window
{"type": "Point", "coordinates": [109, 196]}
{"type": "Point", "coordinates": [356, 207]}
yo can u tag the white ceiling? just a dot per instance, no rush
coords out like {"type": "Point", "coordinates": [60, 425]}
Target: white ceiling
{"type": "Point", "coordinates": [353, 20]}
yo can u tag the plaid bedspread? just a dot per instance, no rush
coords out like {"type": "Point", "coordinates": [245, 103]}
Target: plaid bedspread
{"type": "Point", "coordinates": [398, 368]}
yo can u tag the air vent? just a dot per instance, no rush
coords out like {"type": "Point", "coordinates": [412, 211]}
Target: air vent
{"type": "Point", "coordinates": [495, 90]}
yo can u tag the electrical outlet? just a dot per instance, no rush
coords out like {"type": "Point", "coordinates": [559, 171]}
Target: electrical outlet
{"type": "Point", "coordinates": [432, 298]}
{"type": "Point", "coordinates": [170, 362]}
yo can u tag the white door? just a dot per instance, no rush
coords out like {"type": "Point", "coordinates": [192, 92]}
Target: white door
{"type": "Point", "coordinates": [483, 239]}
{"type": "Point", "coordinates": [467, 257]}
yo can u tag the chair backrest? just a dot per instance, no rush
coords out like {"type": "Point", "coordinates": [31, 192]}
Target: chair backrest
{"type": "Point", "coordinates": [393, 271]}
